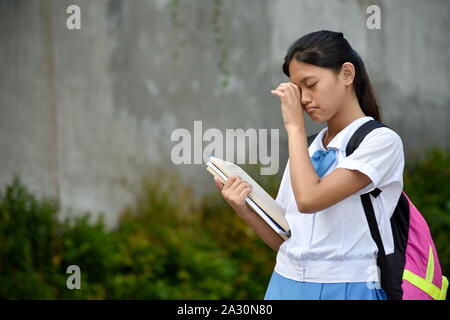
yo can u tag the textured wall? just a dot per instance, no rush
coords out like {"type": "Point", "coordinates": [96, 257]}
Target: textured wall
{"type": "Point", "coordinates": [86, 113]}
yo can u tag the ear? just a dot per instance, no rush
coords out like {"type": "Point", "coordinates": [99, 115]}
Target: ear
{"type": "Point", "coordinates": [347, 73]}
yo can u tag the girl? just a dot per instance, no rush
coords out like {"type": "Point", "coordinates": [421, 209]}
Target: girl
{"type": "Point", "coordinates": [330, 254]}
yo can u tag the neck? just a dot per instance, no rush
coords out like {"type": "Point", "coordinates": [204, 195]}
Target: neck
{"type": "Point", "coordinates": [349, 112]}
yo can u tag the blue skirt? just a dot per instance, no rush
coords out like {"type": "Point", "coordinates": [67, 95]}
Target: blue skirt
{"type": "Point", "coordinates": [281, 288]}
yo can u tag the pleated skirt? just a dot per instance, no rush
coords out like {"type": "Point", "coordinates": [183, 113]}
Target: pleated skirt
{"type": "Point", "coordinates": [281, 288]}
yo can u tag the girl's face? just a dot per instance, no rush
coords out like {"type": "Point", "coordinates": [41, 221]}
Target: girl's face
{"type": "Point", "coordinates": [322, 90]}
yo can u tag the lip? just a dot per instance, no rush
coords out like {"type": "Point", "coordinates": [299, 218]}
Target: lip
{"type": "Point", "coordinates": [311, 109]}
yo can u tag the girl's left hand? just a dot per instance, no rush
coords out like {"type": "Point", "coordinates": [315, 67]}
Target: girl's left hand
{"type": "Point", "coordinates": [291, 107]}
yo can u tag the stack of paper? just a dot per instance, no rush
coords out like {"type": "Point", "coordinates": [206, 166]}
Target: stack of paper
{"type": "Point", "coordinates": [259, 200]}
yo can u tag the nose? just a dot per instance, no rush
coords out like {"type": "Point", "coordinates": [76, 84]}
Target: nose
{"type": "Point", "coordinates": [305, 99]}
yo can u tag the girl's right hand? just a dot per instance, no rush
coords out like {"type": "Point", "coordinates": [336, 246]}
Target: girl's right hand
{"type": "Point", "coordinates": [234, 191]}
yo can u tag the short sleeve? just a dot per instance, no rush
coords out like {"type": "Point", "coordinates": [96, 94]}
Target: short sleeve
{"type": "Point", "coordinates": [283, 189]}
{"type": "Point", "coordinates": [380, 157]}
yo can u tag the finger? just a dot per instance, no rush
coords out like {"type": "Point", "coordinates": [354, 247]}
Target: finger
{"type": "Point", "coordinates": [283, 84]}
{"type": "Point", "coordinates": [236, 184]}
{"type": "Point", "coordinates": [278, 93]}
{"type": "Point", "coordinates": [287, 88]}
{"type": "Point", "coordinates": [218, 183]}
{"type": "Point", "coordinates": [291, 90]}
{"type": "Point", "coordinates": [229, 182]}
{"type": "Point", "coordinates": [283, 87]}
{"type": "Point", "coordinates": [241, 187]}
{"type": "Point", "coordinates": [245, 192]}
{"type": "Point", "coordinates": [296, 90]}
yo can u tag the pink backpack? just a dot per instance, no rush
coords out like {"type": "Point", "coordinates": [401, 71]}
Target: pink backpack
{"type": "Point", "coordinates": [422, 275]}
{"type": "Point", "coordinates": [413, 271]}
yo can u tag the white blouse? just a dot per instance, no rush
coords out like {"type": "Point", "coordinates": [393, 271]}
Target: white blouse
{"type": "Point", "coordinates": [334, 245]}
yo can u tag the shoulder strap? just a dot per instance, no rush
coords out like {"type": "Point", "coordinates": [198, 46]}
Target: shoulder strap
{"type": "Point", "coordinates": [361, 133]}
{"type": "Point", "coordinates": [311, 138]}
{"type": "Point", "coordinates": [357, 137]}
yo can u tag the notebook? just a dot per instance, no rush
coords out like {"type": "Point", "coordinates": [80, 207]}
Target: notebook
{"type": "Point", "coordinates": [259, 200]}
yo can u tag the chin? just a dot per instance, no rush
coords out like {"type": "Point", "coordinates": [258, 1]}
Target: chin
{"type": "Point", "coordinates": [317, 119]}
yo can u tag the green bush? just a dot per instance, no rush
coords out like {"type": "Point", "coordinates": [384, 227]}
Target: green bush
{"type": "Point", "coordinates": [427, 185]}
{"type": "Point", "coordinates": [29, 240]}
{"type": "Point", "coordinates": [165, 252]}
{"type": "Point", "coordinates": [94, 250]}
{"type": "Point", "coordinates": [167, 245]}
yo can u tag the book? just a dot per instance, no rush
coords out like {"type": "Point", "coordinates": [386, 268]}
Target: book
{"type": "Point", "coordinates": [259, 200]}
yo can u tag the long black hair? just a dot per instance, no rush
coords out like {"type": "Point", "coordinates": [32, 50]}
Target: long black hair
{"type": "Point", "coordinates": [330, 50]}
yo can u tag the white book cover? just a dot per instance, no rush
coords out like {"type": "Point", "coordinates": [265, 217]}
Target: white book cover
{"type": "Point", "coordinates": [259, 200]}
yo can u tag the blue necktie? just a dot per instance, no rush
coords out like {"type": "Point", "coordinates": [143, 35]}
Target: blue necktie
{"type": "Point", "coordinates": [322, 161]}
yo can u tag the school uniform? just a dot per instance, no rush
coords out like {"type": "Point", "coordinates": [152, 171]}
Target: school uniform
{"type": "Point", "coordinates": [331, 254]}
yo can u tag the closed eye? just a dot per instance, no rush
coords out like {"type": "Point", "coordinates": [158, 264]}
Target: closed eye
{"type": "Point", "coordinates": [312, 85]}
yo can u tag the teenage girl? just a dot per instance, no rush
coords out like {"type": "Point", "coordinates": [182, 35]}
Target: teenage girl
{"type": "Point", "coordinates": [330, 254]}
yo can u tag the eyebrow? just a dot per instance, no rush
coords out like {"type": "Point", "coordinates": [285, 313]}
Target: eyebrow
{"type": "Point", "coordinates": [306, 78]}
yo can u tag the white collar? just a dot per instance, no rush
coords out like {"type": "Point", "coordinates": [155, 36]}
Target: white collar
{"type": "Point", "coordinates": [341, 139]}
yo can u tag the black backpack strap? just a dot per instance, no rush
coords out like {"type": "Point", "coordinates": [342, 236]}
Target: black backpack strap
{"type": "Point", "coordinates": [311, 138]}
{"type": "Point", "coordinates": [361, 133]}
{"type": "Point", "coordinates": [358, 136]}
{"type": "Point", "coordinates": [382, 260]}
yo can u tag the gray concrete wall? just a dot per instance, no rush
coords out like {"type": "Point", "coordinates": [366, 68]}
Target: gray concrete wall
{"type": "Point", "coordinates": [86, 113]}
